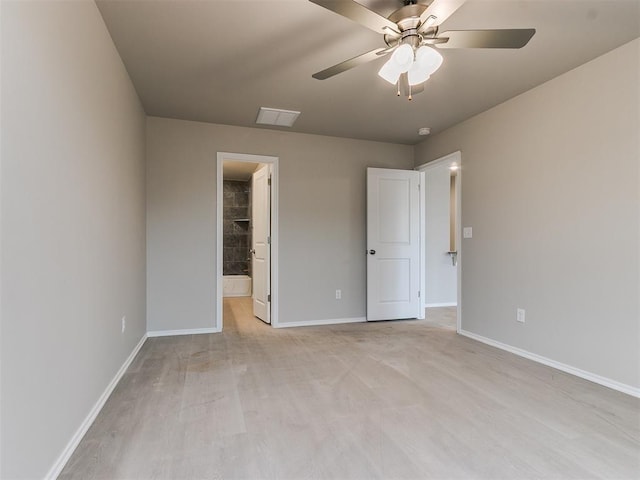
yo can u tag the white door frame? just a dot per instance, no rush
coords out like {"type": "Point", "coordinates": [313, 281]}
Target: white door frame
{"type": "Point", "coordinates": [455, 157]}
{"type": "Point", "coordinates": [242, 157]}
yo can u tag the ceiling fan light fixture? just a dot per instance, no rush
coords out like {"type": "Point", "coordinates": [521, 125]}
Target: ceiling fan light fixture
{"type": "Point", "coordinates": [407, 30]}
{"type": "Point", "coordinates": [417, 76]}
{"type": "Point", "coordinates": [403, 57]}
{"type": "Point", "coordinates": [400, 62]}
{"type": "Point", "coordinates": [427, 62]}
{"type": "Point", "coordinates": [390, 72]}
{"type": "Point", "coordinates": [428, 59]}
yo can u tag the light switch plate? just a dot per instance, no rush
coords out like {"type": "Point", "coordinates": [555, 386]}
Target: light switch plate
{"type": "Point", "coordinates": [467, 232]}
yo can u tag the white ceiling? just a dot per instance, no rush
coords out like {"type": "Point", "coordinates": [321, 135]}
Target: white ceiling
{"type": "Point", "coordinates": [218, 61]}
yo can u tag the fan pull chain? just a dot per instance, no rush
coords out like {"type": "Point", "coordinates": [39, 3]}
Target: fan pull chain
{"type": "Point", "coordinates": [398, 85]}
{"type": "Point", "coordinates": [410, 97]}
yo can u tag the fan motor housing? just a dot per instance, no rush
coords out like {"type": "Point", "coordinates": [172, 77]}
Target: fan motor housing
{"type": "Point", "coordinates": [407, 19]}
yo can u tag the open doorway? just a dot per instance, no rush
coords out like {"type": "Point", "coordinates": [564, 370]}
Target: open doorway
{"type": "Point", "coordinates": [442, 253]}
{"type": "Point", "coordinates": [247, 240]}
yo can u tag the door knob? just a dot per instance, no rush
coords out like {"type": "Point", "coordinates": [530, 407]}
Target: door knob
{"type": "Point", "coordinates": [372, 252]}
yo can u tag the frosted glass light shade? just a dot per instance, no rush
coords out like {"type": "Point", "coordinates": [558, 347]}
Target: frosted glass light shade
{"type": "Point", "coordinates": [427, 62]}
{"type": "Point", "coordinates": [389, 72]}
{"type": "Point", "coordinates": [399, 63]}
{"type": "Point", "coordinates": [403, 57]}
{"type": "Point", "coordinates": [417, 76]}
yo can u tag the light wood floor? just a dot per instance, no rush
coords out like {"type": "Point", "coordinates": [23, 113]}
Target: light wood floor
{"type": "Point", "coordinates": [445, 317]}
{"type": "Point", "coordinates": [406, 399]}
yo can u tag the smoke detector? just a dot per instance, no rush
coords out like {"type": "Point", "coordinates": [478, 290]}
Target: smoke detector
{"type": "Point", "coordinates": [424, 131]}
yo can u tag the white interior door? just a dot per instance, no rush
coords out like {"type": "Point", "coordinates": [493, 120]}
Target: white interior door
{"type": "Point", "coordinates": [261, 248]}
{"type": "Point", "coordinates": [393, 244]}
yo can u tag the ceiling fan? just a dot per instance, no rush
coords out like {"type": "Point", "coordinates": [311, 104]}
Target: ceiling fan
{"type": "Point", "coordinates": [409, 33]}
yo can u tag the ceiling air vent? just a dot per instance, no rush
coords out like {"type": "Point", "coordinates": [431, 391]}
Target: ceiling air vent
{"type": "Point", "coordinates": [276, 116]}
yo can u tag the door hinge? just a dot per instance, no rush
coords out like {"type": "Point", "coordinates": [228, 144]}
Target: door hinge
{"type": "Point", "coordinates": [268, 240]}
{"type": "Point", "coordinates": [269, 181]}
{"type": "Point", "coordinates": [418, 293]}
{"type": "Point", "coordinates": [269, 298]}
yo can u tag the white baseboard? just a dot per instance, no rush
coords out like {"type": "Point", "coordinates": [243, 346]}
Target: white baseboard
{"type": "Point", "coordinates": [449, 304]}
{"type": "Point", "coordinates": [185, 331]}
{"type": "Point", "coordinates": [592, 377]}
{"type": "Point", "coordinates": [315, 323]}
{"type": "Point", "coordinates": [62, 460]}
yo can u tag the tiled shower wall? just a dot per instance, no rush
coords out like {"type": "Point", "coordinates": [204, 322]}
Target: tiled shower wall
{"type": "Point", "coordinates": [236, 230]}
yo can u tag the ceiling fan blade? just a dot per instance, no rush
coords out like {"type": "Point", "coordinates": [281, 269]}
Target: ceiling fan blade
{"type": "Point", "coordinates": [508, 38]}
{"type": "Point", "coordinates": [352, 62]}
{"type": "Point", "coordinates": [441, 9]}
{"type": "Point", "coordinates": [360, 14]}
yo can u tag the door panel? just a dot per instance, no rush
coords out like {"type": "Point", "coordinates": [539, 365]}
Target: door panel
{"type": "Point", "coordinates": [393, 211]}
{"type": "Point", "coordinates": [394, 280]}
{"type": "Point", "coordinates": [261, 251]}
{"type": "Point", "coordinates": [393, 239]}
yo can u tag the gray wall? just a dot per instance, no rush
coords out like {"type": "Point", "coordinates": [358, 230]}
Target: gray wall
{"type": "Point", "coordinates": [73, 235]}
{"type": "Point", "coordinates": [321, 219]}
{"type": "Point", "coordinates": [550, 186]}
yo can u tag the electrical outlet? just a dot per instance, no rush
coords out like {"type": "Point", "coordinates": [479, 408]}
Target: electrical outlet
{"type": "Point", "coordinates": [520, 315]}
{"type": "Point", "coordinates": [124, 323]}
{"type": "Point", "coordinates": [338, 294]}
